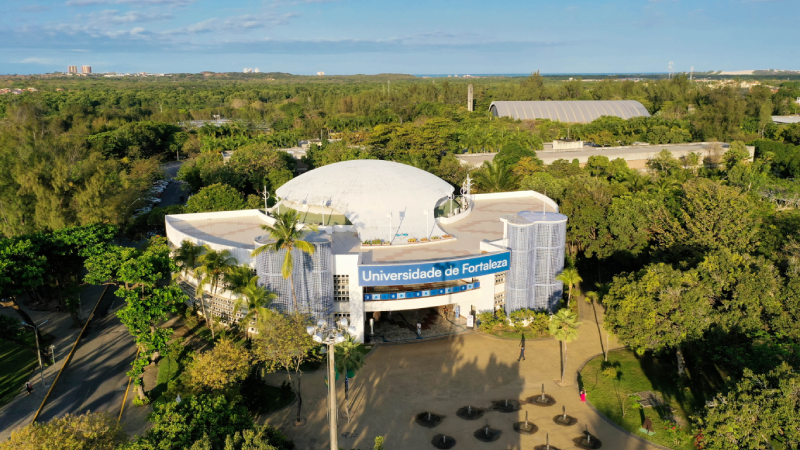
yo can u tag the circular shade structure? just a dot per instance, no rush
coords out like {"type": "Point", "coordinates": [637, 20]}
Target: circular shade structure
{"type": "Point", "coordinates": [382, 199]}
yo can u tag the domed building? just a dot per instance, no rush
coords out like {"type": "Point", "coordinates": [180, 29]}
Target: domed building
{"type": "Point", "coordinates": [382, 199]}
{"type": "Point", "coordinates": [397, 251]}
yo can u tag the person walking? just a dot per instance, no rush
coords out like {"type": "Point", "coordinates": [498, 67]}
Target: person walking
{"type": "Point", "coordinates": [28, 387]}
{"type": "Point", "coordinates": [521, 349]}
{"type": "Point", "coordinates": [583, 395]}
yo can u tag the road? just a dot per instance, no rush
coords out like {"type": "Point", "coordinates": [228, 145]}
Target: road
{"type": "Point", "coordinates": [95, 380]}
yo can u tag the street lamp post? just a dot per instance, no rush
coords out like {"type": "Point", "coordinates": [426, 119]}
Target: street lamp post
{"type": "Point", "coordinates": [330, 335]}
{"type": "Point", "coordinates": [38, 351]}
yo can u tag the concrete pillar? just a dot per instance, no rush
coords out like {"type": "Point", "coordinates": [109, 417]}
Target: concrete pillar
{"type": "Point", "coordinates": [469, 98]}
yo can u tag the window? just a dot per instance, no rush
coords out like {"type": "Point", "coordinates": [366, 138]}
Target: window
{"type": "Point", "coordinates": [341, 288]}
{"type": "Point", "coordinates": [500, 298]}
{"type": "Point", "coordinates": [500, 278]}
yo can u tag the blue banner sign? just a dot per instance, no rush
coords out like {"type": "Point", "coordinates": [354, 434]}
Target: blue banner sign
{"type": "Point", "coordinates": [418, 273]}
{"type": "Point", "coordinates": [417, 294]}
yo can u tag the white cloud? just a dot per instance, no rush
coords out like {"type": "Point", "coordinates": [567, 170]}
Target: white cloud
{"type": "Point", "coordinates": [112, 16]}
{"type": "Point", "coordinates": [129, 2]}
{"type": "Point", "coordinates": [241, 23]}
{"type": "Point", "coordinates": [42, 61]}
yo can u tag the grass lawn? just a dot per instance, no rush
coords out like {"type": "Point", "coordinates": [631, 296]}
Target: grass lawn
{"type": "Point", "coordinates": [168, 370]}
{"type": "Point", "coordinates": [17, 364]}
{"type": "Point", "coordinates": [638, 374]}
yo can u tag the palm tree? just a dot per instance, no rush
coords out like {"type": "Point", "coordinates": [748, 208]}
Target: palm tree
{"type": "Point", "coordinates": [564, 327]}
{"type": "Point", "coordinates": [592, 297]}
{"type": "Point", "coordinates": [288, 234]}
{"type": "Point", "coordinates": [348, 359]}
{"type": "Point", "coordinates": [495, 177]}
{"type": "Point", "coordinates": [213, 265]}
{"type": "Point", "coordinates": [186, 256]}
{"type": "Point", "coordinates": [570, 277]}
{"type": "Point", "coordinates": [236, 278]}
{"type": "Point", "coordinates": [256, 299]}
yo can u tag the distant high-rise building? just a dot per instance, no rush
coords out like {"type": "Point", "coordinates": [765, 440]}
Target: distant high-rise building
{"type": "Point", "coordinates": [319, 74]}
{"type": "Point", "coordinates": [86, 69]}
{"type": "Point", "coordinates": [256, 70]}
{"type": "Point", "coordinates": [72, 69]}
{"type": "Point", "coordinates": [246, 70]}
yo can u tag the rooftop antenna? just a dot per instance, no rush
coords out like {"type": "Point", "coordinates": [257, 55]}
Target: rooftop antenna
{"type": "Point", "coordinates": [670, 70]}
{"type": "Point", "coordinates": [544, 210]}
{"type": "Point", "coordinates": [691, 72]}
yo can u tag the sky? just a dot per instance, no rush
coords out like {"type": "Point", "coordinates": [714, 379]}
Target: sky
{"type": "Point", "coordinates": [343, 37]}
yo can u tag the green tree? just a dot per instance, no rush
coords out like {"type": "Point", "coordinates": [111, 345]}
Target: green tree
{"type": "Point", "coordinates": [348, 359]}
{"type": "Point", "coordinates": [89, 431]}
{"type": "Point", "coordinates": [570, 277]}
{"type": "Point", "coordinates": [663, 163]}
{"type": "Point", "coordinates": [585, 202]}
{"type": "Point", "coordinates": [219, 368]}
{"type": "Point", "coordinates": [211, 268]}
{"type": "Point", "coordinates": [495, 177]}
{"type": "Point", "coordinates": [282, 343]}
{"type": "Point", "coordinates": [177, 426]}
{"type": "Point", "coordinates": [261, 438]}
{"type": "Point", "coordinates": [708, 216]}
{"type": "Point", "coordinates": [187, 257]}
{"type": "Point", "coordinates": [21, 269]}
{"type": "Point", "coordinates": [593, 297]}
{"type": "Point", "coordinates": [564, 328]}
{"type": "Point", "coordinates": [217, 197]}
{"type": "Point", "coordinates": [287, 235]}
{"type": "Point", "coordinates": [759, 410]}
{"type": "Point", "coordinates": [256, 299]}
{"type": "Point", "coordinates": [513, 152]}
{"type": "Point", "coordinates": [656, 309]}
{"type": "Point", "coordinates": [736, 154]}
{"type": "Point", "coordinates": [236, 278]}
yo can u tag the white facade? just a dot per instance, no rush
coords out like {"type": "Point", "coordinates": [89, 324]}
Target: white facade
{"type": "Point", "coordinates": [468, 271]}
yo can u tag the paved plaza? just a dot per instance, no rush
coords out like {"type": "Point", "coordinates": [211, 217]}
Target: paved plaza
{"type": "Point", "coordinates": [399, 381]}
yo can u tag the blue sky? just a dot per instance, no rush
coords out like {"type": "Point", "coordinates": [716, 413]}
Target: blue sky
{"type": "Point", "coordinates": [418, 37]}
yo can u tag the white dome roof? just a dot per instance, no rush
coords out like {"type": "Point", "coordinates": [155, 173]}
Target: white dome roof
{"type": "Point", "coordinates": [367, 190]}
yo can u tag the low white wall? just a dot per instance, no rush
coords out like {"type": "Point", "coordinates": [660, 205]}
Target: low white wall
{"type": "Point", "coordinates": [242, 255]}
{"type": "Point", "coordinates": [453, 219]}
{"type": "Point", "coordinates": [494, 246]}
{"type": "Point", "coordinates": [517, 194]}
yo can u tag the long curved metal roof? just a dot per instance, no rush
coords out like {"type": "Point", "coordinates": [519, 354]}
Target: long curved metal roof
{"type": "Point", "coordinates": [576, 111]}
{"type": "Point", "coordinates": [381, 198]}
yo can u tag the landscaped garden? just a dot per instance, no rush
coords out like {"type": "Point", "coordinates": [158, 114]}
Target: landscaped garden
{"type": "Point", "coordinates": [618, 388]}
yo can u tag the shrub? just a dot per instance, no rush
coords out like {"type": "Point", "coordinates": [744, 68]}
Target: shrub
{"type": "Point", "coordinates": [435, 238]}
{"type": "Point", "coordinates": [375, 242]}
{"type": "Point", "coordinates": [424, 240]}
{"type": "Point", "coordinates": [412, 240]}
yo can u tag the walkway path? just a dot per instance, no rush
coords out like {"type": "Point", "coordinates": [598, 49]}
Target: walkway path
{"type": "Point", "coordinates": [93, 379]}
{"type": "Point", "coordinates": [399, 381]}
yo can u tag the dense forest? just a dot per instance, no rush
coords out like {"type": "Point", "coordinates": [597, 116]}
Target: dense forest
{"type": "Point", "coordinates": [696, 258]}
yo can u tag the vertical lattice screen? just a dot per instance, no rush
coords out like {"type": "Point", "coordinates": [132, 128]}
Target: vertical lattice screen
{"type": "Point", "coordinates": [519, 274]}
{"type": "Point", "coordinates": [537, 256]}
{"type": "Point", "coordinates": [312, 276]}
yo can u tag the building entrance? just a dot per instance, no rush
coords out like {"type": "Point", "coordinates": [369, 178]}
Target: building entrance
{"type": "Point", "coordinates": [414, 324]}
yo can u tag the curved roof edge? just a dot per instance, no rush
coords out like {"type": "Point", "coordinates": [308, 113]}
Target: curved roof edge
{"type": "Point", "coordinates": [574, 111]}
